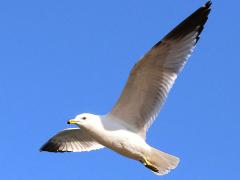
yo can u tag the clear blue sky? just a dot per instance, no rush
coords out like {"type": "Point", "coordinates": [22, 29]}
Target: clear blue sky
{"type": "Point", "coordinates": [61, 58]}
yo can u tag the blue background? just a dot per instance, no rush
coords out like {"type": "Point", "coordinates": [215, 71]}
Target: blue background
{"type": "Point", "coordinates": [61, 58]}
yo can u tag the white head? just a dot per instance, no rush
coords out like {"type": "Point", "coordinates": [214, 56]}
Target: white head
{"type": "Point", "coordinates": [82, 120]}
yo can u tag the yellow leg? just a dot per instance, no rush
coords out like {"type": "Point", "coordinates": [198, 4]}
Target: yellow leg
{"type": "Point", "coordinates": [149, 165]}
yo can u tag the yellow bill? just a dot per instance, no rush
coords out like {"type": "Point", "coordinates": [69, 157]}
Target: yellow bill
{"type": "Point", "coordinates": [72, 121]}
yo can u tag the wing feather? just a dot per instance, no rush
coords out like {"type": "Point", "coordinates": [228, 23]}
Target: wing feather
{"type": "Point", "coordinates": [71, 140]}
{"type": "Point", "coordinates": [153, 76]}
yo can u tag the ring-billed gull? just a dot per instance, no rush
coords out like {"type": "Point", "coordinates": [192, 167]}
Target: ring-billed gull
{"type": "Point", "coordinates": [124, 128]}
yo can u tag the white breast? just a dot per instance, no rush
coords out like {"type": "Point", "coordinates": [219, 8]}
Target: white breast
{"type": "Point", "coordinates": [116, 137]}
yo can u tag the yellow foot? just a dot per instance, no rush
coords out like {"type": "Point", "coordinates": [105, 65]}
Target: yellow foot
{"type": "Point", "coordinates": [149, 165]}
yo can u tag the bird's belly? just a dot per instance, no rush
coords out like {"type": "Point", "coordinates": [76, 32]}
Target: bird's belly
{"type": "Point", "coordinates": [122, 141]}
{"type": "Point", "coordinates": [127, 147]}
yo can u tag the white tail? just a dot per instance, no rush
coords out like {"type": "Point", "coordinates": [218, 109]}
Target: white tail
{"type": "Point", "coordinates": [162, 162]}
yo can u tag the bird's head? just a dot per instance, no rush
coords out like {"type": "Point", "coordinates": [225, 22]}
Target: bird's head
{"type": "Point", "coordinates": [83, 120]}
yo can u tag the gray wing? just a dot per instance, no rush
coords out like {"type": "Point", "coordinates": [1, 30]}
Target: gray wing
{"type": "Point", "coordinates": [71, 140]}
{"type": "Point", "coordinates": [153, 76]}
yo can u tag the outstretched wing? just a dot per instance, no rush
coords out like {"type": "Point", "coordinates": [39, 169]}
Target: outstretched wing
{"type": "Point", "coordinates": [71, 140]}
{"type": "Point", "coordinates": [153, 76]}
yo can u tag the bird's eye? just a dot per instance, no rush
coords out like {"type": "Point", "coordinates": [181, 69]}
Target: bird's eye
{"type": "Point", "coordinates": [84, 118]}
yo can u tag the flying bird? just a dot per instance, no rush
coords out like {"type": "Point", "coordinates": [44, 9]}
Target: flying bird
{"type": "Point", "coordinates": [124, 128]}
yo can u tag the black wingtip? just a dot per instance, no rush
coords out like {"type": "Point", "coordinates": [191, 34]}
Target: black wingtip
{"type": "Point", "coordinates": [42, 149]}
{"type": "Point", "coordinates": [50, 147]}
{"type": "Point", "coordinates": [53, 147]}
{"type": "Point", "coordinates": [206, 9]}
{"type": "Point", "coordinates": [195, 22]}
{"type": "Point", "coordinates": [208, 4]}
